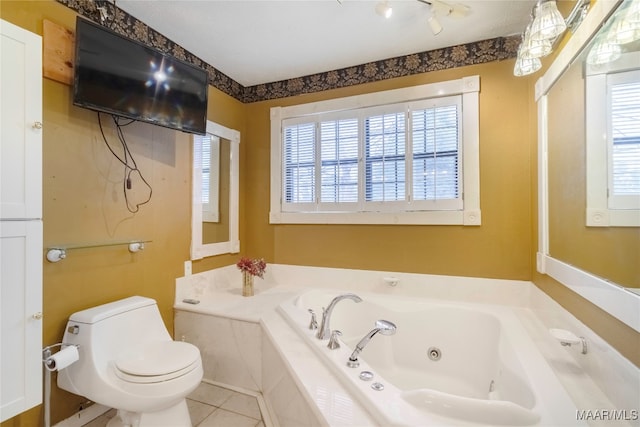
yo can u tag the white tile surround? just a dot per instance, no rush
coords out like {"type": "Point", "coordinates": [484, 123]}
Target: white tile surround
{"type": "Point", "coordinates": [246, 344]}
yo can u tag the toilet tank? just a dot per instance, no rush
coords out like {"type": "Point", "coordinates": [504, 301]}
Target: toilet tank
{"type": "Point", "coordinates": [106, 333]}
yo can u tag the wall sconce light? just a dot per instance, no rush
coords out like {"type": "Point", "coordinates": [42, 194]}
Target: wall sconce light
{"type": "Point", "coordinates": [633, 12]}
{"type": "Point", "coordinates": [526, 66]}
{"type": "Point", "coordinates": [548, 22]}
{"type": "Point", "coordinates": [603, 52]}
{"type": "Point", "coordinates": [626, 28]}
{"type": "Point", "coordinates": [533, 48]}
{"type": "Point", "coordinates": [544, 29]}
{"type": "Point", "coordinates": [623, 28]}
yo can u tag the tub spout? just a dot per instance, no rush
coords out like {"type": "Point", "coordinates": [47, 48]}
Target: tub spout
{"type": "Point", "coordinates": [384, 327]}
{"type": "Point", "coordinates": [325, 329]}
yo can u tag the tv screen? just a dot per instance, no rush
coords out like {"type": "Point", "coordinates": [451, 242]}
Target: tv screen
{"type": "Point", "coordinates": [117, 75]}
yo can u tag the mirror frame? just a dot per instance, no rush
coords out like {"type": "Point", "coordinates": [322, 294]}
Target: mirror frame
{"type": "Point", "coordinates": [613, 298]}
{"type": "Point", "coordinates": [198, 249]}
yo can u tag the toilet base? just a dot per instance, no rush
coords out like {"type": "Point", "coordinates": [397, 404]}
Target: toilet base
{"type": "Point", "coordinates": [174, 416]}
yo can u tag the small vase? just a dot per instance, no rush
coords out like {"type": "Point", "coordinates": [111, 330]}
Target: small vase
{"type": "Point", "coordinates": [247, 284]}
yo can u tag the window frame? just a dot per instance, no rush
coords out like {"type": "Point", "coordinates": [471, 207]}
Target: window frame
{"type": "Point", "coordinates": [469, 214]}
{"type": "Point", "coordinates": [599, 211]}
{"type": "Point", "coordinates": [619, 201]}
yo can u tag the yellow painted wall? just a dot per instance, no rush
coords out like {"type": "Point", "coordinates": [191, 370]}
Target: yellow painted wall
{"type": "Point", "coordinates": [83, 204]}
{"type": "Point", "coordinates": [500, 248]}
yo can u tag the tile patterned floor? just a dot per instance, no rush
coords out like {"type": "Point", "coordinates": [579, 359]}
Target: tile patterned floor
{"type": "Point", "coordinates": [212, 406]}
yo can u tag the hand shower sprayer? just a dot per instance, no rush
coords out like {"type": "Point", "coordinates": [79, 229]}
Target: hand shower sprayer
{"type": "Point", "coordinates": [384, 327]}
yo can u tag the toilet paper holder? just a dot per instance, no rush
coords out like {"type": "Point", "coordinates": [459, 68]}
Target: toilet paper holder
{"type": "Point", "coordinates": [49, 365]}
{"type": "Point", "coordinates": [47, 353]}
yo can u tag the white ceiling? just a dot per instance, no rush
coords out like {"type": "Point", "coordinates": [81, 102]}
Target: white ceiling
{"type": "Point", "coordinates": [262, 41]}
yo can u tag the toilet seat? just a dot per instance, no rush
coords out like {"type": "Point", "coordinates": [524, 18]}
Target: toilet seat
{"type": "Point", "coordinates": [157, 362]}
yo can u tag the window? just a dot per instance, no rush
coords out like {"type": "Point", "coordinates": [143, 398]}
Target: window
{"type": "Point", "coordinates": [407, 156]}
{"type": "Point", "coordinates": [613, 143]}
{"type": "Point", "coordinates": [207, 155]}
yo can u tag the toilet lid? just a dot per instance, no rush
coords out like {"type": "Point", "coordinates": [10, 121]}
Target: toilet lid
{"type": "Point", "coordinates": [159, 358]}
{"type": "Point", "coordinates": [149, 379]}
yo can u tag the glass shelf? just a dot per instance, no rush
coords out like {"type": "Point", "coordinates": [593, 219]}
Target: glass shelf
{"type": "Point", "coordinates": [57, 253]}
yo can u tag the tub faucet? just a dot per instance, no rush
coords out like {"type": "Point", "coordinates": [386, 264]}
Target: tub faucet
{"type": "Point", "coordinates": [384, 327]}
{"type": "Point", "coordinates": [325, 330]}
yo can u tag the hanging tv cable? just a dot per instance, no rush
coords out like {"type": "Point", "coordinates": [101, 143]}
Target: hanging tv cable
{"type": "Point", "coordinates": [128, 161]}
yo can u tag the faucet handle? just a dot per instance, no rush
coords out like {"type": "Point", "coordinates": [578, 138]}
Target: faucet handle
{"type": "Point", "coordinates": [314, 323]}
{"type": "Point", "coordinates": [333, 341]}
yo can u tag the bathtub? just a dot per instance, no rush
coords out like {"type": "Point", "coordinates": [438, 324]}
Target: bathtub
{"type": "Point", "coordinates": [447, 363]}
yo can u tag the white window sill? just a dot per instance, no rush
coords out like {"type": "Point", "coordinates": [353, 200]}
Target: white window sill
{"type": "Point", "coordinates": [468, 218]}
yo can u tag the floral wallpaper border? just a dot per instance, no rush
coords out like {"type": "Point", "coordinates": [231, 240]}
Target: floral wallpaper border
{"type": "Point", "coordinates": [440, 59]}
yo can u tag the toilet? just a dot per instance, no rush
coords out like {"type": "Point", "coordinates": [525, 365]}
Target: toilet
{"type": "Point", "coordinates": [128, 361]}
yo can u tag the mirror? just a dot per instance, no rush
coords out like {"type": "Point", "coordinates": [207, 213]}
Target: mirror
{"type": "Point", "coordinates": [214, 213]}
{"type": "Point", "coordinates": [214, 186]}
{"type": "Point", "coordinates": [589, 160]}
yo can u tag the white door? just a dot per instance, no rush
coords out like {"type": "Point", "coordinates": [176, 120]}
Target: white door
{"type": "Point", "coordinates": [21, 115]}
{"type": "Point", "coordinates": [21, 305]}
{"type": "Point", "coordinates": [20, 224]}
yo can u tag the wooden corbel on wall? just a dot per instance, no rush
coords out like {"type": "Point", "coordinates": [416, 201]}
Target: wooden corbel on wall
{"type": "Point", "coordinates": [58, 52]}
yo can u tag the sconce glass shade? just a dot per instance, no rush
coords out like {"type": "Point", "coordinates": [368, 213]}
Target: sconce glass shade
{"type": "Point", "coordinates": [548, 22]}
{"type": "Point", "coordinates": [624, 31]}
{"type": "Point", "coordinates": [603, 52]}
{"type": "Point", "coordinates": [633, 12]}
{"type": "Point", "coordinates": [525, 66]}
{"type": "Point", "coordinates": [532, 48]}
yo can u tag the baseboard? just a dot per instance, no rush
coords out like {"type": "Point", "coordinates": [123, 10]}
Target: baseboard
{"type": "Point", "coordinates": [84, 416]}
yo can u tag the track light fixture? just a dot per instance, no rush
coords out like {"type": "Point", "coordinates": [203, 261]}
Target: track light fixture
{"type": "Point", "coordinates": [434, 24]}
{"type": "Point", "coordinates": [440, 8]}
{"type": "Point", "coordinates": [384, 9]}
{"type": "Point", "coordinates": [436, 7]}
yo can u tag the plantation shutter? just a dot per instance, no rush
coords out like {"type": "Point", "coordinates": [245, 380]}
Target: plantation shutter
{"type": "Point", "coordinates": [339, 142]}
{"type": "Point", "coordinates": [385, 148]}
{"type": "Point", "coordinates": [368, 159]}
{"type": "Point", "coordinates": [624, 143]}
{"type": "Point", "coordinates": [206, 167]}
{"type": "Point", "coordinates": [207, 157]}
{"type": "Point", "coordinates": [435, 136]}
{"type": "Point", "coordinates": [299, 162]}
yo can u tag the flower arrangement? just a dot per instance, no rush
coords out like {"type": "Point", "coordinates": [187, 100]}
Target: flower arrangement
{"type": "Point", "coordinates": [254, 267]}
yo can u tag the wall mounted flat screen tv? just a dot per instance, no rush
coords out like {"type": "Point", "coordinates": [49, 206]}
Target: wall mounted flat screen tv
{"type": "Point", "coordinates": [117, 75]}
